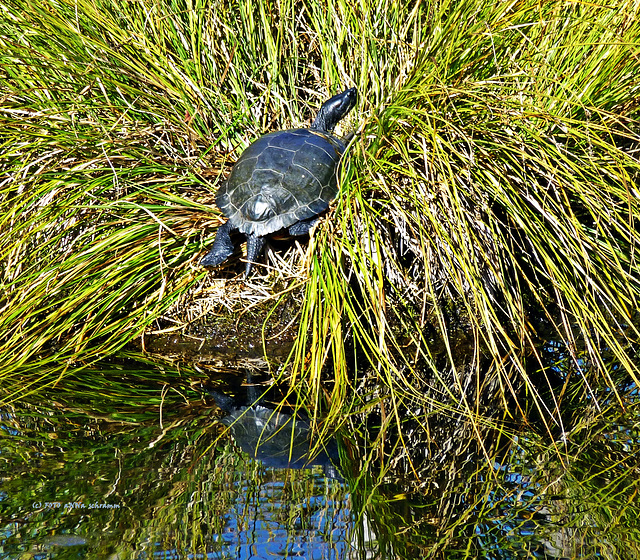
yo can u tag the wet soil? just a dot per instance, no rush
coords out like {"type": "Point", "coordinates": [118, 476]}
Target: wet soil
{"type": "Point", "coordinates": [263, 332]}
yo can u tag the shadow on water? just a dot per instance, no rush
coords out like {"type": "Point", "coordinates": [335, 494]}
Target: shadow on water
{"type": "Point", "coordinates": [144, 460]}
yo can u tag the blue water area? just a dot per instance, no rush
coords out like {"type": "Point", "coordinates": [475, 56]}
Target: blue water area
{"type": "Point", "coordinates": [77, 487]}
{"type": "Point", "coordinates": [255, 529]}
{"type": "Point", "coordinates": [183, 477]}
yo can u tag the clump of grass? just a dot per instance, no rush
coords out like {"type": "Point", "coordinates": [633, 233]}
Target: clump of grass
{"type": "Point", "coordinates": [93, 228]}
{"type": "Point", "coordinates": [496, 185]}
{"type": "Point", "coordinates": [111, 114]}
{"type": "Point", "coordinates": [491, 188]}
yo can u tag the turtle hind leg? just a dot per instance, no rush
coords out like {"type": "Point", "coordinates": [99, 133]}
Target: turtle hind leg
{"type": "Point", "coordinates": [255, 243]}
{"type": "Point", "coordinates": [222, 247]}
{"type": "Point", "coordinates": [303, 226]}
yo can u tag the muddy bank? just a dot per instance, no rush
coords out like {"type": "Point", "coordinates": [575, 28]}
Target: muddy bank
{"type": "Point", "coordinates": [265, 331]}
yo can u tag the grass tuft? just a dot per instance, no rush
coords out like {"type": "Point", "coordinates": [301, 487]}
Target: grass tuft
{"type": "Point", "coordinates": [486, 232]}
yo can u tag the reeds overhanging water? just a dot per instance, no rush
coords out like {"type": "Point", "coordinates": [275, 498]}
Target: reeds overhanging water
{"type": "Point", "coordinates": [467, 308]}
{"type": "Point", "coordinates": [480, 258]}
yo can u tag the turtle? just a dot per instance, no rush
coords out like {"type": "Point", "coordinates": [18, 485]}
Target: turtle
{"type": "Point", "coordinates": [285, 179]}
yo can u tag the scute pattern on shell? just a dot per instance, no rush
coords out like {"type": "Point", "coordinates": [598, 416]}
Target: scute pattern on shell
{"type": "Point", "coordinates": [280, 179]}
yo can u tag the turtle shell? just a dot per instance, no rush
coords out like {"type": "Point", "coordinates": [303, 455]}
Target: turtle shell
{"type": "Point", "coordinates": [280, 179]}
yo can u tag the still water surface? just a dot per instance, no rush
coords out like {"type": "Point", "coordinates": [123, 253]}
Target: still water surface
{"type": "Point", "coordinates": [152, 472]}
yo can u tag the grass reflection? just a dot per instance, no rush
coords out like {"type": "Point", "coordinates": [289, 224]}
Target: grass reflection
{"type": "Point", "coordinates": [179, 486]}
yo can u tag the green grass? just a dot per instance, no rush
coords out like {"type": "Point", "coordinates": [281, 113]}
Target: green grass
{"type": "Point", "coordinates": [489, 203]}
{"type": "Point", "coordinates": [500, 175]}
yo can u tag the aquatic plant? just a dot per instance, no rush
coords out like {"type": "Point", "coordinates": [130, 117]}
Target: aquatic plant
{"type": "Point", "coordinates": [485, 243]}
{"type": "Point", "coordinates": [484, 240]}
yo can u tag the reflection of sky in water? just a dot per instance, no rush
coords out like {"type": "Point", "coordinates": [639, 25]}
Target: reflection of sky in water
{"type": "Point", "coordinates": [256, 528]}
{"type": "Point", "coordinates": [271, 519]}
{"type": "Point", "coordinates": [270, 512]}
{"type": "Point", "coordinates": [233, 507]}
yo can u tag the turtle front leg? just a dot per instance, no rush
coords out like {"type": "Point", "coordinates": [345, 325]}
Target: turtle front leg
{"type": "Point", "coordinates": [255, 243]}
{"type": "Point", "coordinates": [302, 227]}
{"type": "Point", "coordinates": [222, 247]}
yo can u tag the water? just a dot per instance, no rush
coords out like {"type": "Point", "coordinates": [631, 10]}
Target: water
{"type": "Point", "coordinates": [150, 472]}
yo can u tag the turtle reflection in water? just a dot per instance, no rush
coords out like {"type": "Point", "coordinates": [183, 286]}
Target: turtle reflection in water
{"type": "Point", "coordinates": [282, 180]}
{"type": "Point", "coordinates": [277, 439]}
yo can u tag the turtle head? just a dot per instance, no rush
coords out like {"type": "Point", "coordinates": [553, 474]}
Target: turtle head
{"type": "Point", "coordinates": [335, 109]}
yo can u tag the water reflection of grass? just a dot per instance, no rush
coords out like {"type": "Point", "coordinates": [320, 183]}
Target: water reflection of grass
{"type": "Point", "coordinates": [161, 475]}
{"type": "Point", "coordinates": [479, 265]}
{"type": "Point", "coordinates": [180, 488]}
